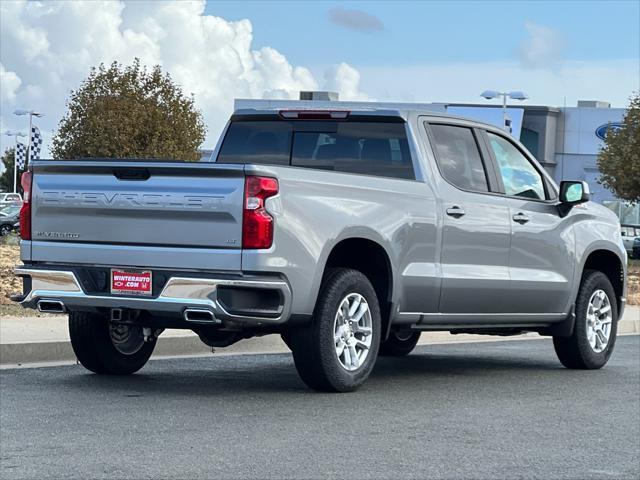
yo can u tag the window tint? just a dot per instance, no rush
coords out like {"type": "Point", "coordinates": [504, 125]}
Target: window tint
{"type": "Point", "coordinates": [257, 142]}
{"type": "Point", "coordinates": [519, 176]}
{"type": "Point", "coordinates": [356, 147]}
{"type": "Point", "coordinates": [458, 157]}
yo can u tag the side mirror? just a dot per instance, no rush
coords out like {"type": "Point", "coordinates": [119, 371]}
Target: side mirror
{"type": "Point", "coordinates": [572, 193]}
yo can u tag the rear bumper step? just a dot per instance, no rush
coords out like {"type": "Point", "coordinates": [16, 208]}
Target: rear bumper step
{"type": "Point", "coordinates": [179, 295]}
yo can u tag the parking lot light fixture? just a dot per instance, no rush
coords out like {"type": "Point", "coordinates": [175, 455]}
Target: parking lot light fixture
{"type": "Point", "coordinates": [515, 95]}
{"type": "Point", "coordinates": [20, 112]}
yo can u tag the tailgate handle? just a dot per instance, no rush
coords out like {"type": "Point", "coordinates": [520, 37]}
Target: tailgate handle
{"type": "Point", "coordinates": [131, 173]}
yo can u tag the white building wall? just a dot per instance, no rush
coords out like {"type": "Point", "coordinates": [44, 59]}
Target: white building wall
{"type": "Point", "coordinates": [577, 145]}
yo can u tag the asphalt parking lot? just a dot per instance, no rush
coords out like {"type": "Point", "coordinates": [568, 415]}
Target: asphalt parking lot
{"type": "Point", "coordinates": [481, 410]}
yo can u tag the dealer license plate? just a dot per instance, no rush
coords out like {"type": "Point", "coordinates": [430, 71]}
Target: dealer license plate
{"type": "Point", "coordinates": [131, 282]}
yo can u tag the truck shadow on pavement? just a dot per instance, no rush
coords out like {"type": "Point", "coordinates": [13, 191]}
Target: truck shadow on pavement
{"type": "Point", "coordinates": [276, 373]}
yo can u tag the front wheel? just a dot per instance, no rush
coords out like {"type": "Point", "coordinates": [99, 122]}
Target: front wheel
{"type": "Point", "coordinates": [594, 333]}
{"type": "Point", "coordinates": [107, 348]}
{"type": "Point", "coordinates": [338, 350]}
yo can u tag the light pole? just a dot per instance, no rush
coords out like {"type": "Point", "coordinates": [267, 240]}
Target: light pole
{"type": "Point", "coordinates": [517, 95]}
{"type": "Point", "coordinates": [31, 113]}
{"type": "Point", "coordinates": [14, 134]}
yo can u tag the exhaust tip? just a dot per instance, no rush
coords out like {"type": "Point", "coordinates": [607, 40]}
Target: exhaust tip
{"type": "Point", "coordinates": [51, 306]}
{"type": "Point", "coordinates": [198, 315]}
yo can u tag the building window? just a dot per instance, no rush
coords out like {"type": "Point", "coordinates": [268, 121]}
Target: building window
{"type": "Point", "coordinates": [530, 138]}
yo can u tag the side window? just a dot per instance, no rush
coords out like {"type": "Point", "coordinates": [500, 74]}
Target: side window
{"type": "Point", "coordinates": [458, 157]}
{"type": "Point", "coordinates": [368, 148]}
{"type": "Point", "coordinates": [520, 177]}
{"type": "Point", "coordinates": [256, 142]}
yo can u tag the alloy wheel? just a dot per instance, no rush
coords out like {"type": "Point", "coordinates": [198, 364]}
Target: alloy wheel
{"type": "Point", "coordinates": [599, 319]}
{"type": "Point", "coordinates": [352, 331]}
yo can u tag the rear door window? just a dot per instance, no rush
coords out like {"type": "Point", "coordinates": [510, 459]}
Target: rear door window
{"type": "Point", "coordinates": [379, 149]}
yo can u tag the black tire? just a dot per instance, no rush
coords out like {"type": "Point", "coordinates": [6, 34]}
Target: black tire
{"type": "Point", "coordinates": [286, 338]}
{"type": "Point", "coordinates": [399, 344]}
{"type": "Point", "coordinates": [575, 352]}
{"type": "Point", "coordinates": [91, 342]}
{"type": "Point", "coordinates": [314, 346]}
{"type": "Point", "coordinates": [5, 230]}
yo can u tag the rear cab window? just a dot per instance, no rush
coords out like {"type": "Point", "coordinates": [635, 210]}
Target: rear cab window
{"type": "Point", "coordinates": [363, 147]}
{"type": "Point", "coordinates": [267, 142]}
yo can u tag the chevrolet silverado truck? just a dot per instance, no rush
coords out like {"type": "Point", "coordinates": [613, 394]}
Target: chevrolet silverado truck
{"type": "Point", "coordinates": [348, 233]}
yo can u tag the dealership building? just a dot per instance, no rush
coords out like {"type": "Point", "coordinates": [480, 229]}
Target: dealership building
{"type": "Point", "coordinates": [565, 140]}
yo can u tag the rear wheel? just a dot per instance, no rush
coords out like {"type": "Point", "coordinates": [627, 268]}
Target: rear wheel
{"type": "Point", "coordinates": [338, 350]}
{"type": "Point", "coordinates": [594, 334]}
{"type": "Point", "coordinates": [399, 343]}
{"type": "Point", "coordinates": [107, 348]}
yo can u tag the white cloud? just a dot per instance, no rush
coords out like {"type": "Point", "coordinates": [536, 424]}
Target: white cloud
{"type": "Point", "coordinates": [543, 47]}
{"type": "Point", "coordinates": [47, 48]}
{"type": "Point", "coordinates": [344, 79]}
{"type": "Point", "coordinates": [9, 84]}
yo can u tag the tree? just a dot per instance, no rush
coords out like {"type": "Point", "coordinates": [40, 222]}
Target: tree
{"type": "Point", "coordinates": [619, 159]}
{"type": "Point", "coordinates": [129, 112]}
{"type": "Point", "coordinates": [6, 179]}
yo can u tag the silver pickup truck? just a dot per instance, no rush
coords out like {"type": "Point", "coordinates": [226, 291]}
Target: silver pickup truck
{"type": "Point", "coordinates": [346, 232]}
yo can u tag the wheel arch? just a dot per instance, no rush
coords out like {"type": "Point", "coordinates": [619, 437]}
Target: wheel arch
{"type": "Point", "coordinates": [601, 257]}
{"type": "Point", "coordinates": [369, 256]}
{"type": "Point", "coordinates": [608, 262]}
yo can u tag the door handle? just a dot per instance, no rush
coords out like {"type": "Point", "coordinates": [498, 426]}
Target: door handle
{"type": "Point", "coordinates": [131, 173]}
{"type": "Point", "coordinates": [521, 218]}
{"type": "Point", "coordinates": [455, 211]}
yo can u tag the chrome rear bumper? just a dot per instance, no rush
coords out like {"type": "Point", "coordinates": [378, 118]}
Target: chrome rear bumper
{"type": "Point", "coordinates": [178, 295]}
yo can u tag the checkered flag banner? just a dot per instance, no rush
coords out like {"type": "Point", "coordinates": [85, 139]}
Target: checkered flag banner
{"type": "Point", "coordinates": [36, 143]}
{"type": "Point", "coordinates": [21, 155]}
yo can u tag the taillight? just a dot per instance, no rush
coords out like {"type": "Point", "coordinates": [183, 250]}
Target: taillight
{"type": "Point", "coordinates": [25, 211]}
{"type": "Point", "coordinates": [257, 224]}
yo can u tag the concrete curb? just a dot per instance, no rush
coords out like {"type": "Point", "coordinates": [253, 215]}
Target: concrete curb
{"type": "Point", "coordinates": [61, 351]}
{"type": "Point", "coordinates": [21, 353]}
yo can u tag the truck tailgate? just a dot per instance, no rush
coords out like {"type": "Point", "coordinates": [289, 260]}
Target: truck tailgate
{"type": "Point", "coordinates": [135, 208]}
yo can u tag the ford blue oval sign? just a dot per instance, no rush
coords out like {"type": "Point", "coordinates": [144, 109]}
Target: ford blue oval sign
{"type": "Point", "coordinates": [601, 131]}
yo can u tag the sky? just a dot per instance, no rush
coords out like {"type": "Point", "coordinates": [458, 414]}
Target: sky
{"type": "Point", "coordinates": [431, 51]}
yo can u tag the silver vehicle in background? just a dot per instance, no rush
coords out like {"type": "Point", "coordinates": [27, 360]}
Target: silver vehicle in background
{"type": "Point", "coordinates": [9, 217]}
{"type": "Point", "coordinates": [629, 234]}
{"type": "Point", "coordinates": [346, 232]}
{"type": "Point", "coordinates": [10, 199]}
